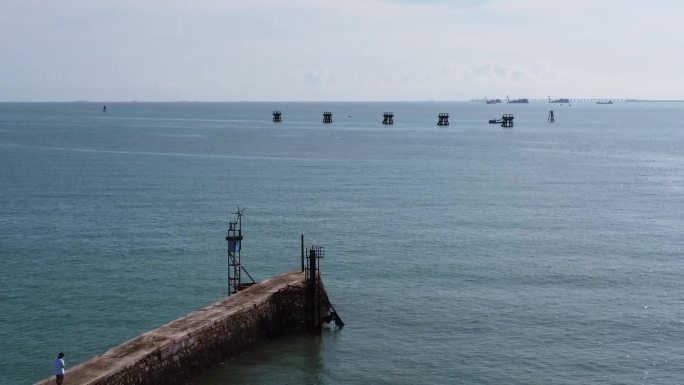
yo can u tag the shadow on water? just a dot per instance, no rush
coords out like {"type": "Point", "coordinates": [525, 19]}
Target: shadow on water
{"type": "Point", "coordinates": [287, 360]}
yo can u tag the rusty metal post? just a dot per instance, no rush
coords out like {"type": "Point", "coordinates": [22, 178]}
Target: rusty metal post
{"type": "Point", "coordinates": [313, 308]}
{"type": "Point", "coordinates": [302, 252]}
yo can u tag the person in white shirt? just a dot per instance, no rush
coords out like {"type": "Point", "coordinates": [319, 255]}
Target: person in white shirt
{"type": "Point", "coordinates": [59, 368]}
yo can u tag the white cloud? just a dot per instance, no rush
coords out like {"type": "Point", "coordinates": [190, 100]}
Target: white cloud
{"type": "Point", "coordinates": [320, 77]}
{"type": "Point", "coordinates": [369, 49]}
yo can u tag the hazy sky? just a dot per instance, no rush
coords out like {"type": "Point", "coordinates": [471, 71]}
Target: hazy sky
{"type": "Point", "coordinates": [218, 50]}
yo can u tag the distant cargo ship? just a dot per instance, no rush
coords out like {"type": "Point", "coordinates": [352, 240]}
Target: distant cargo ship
{"type": "Point", "coordinates": [561, 100]}
{"type": "Point", "coordinates": [602, 102]}
{"type": "Point", "coordinates": [516, 101]}
{"type": "Point", "coordinates": [492, 101]}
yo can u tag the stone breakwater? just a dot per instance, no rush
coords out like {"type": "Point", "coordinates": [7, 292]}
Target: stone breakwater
{"type": "Point", "coordinates": [178, 351]}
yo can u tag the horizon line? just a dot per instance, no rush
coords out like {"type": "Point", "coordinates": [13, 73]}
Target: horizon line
{"type": "Point", "coordinates": [534, 100]}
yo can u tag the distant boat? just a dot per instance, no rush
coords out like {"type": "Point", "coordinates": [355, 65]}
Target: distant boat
{"type": "Point", "coordinates": [517, 101]}
{"type": "Point", "coordinates": [492, 101]}
{"type": "Point", "coordinates": [602, 102]}
{"type": "Point", "coordinates": [561, 100]}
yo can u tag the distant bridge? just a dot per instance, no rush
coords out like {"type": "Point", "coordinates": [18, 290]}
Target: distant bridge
{"type": "Point", "coordinates": [587, 100]}
{"type": "Point", "coordinates": [582, 100]}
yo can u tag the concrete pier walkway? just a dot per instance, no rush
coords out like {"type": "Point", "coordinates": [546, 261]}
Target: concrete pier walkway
{"type": "Point", "coordinates": [176, 352]}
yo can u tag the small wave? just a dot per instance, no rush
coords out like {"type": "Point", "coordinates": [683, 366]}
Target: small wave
{"type": "Point", "coordinates": [180, 135]}
{"type": "Point", "coordinates": [155, 153]}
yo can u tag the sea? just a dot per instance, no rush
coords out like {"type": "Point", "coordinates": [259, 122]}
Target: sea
{"type": "Point", "coordinates": [545, 253]}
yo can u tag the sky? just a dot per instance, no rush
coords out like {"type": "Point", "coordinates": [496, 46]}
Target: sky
{"type": "Point", "coordinates": [348, 50]}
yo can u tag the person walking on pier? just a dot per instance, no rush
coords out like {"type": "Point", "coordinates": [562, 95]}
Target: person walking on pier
{"type": "Point", "coordinates": [59, 368]}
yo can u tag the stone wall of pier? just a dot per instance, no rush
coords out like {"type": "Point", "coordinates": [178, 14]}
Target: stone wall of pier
{"type": "Point", "coordinates": [180, 350]}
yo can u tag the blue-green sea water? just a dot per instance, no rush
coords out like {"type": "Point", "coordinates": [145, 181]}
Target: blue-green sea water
{"type": "Point", "coordinates": [470, 254]}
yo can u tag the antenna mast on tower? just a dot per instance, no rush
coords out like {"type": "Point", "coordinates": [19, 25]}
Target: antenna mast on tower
{"type": "Point", "coordinates": [235, 268]}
